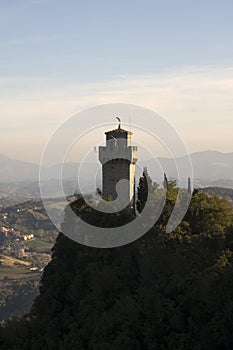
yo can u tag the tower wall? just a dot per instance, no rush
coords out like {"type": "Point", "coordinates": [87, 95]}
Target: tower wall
{"type": "Point", "coordinates": [112, 172]}
{"type": "Point", "coordinates": [118, 160]}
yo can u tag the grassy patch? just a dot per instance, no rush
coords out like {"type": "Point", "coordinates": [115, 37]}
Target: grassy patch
{"type": "Point", "coordinates": [16, 273]}
{"type": "Point", "coordinates": [39, 245]}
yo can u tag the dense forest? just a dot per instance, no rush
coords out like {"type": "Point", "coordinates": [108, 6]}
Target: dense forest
{"type": "Point", "coordinates": [219, 191]}
{"type": "Point", "coordinates": [163, 291]}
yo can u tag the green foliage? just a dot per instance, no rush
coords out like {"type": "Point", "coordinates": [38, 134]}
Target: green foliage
{"type": "Point", "coordinates": [209, 215]}
{"type": "Point", "coordinates": [164, 291]}
{"type": "Point", "coordinates": [145, 184]}
{"type": "Point", "coordinates": [219, 191]}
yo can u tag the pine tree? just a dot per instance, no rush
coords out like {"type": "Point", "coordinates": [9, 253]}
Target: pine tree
{"type": "Point", "coordinates": [145, 183]}
{"type": "Point", "coordinates": [165, 181]}
{"type": "Point", "coordinates": [189, 186]}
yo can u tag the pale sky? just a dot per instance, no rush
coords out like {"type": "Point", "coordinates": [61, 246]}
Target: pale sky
{"type": "Point", "coordinates": [60, 57]}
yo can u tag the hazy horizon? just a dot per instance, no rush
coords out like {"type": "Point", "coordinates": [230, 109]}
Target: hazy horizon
{"type": "Point", "coordinates": [95, 159]}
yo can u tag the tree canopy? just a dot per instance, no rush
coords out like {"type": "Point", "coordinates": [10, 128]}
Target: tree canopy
{"type": "Point", "coordinates": [163, 291]}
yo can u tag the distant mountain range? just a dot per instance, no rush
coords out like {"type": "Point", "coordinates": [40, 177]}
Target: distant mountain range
{"type": "Point", "coordinates": [12, 170]}
{"type": "Point", "coordinates": [211, 168]}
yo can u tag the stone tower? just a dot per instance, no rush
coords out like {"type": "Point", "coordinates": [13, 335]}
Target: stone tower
{"type": "Point", "coordinates": [118, 159]}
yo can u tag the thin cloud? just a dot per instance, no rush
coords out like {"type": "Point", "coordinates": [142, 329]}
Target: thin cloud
{"type": "Point", "coordinates": [196, 100]}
